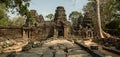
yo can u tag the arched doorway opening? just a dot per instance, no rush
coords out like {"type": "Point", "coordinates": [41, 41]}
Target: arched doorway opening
{"type": "Point", "coordinates": [61, 31]}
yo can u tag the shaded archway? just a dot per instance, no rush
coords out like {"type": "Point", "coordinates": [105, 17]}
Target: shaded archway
{"type": "Point", "coordinates": [61, 31]}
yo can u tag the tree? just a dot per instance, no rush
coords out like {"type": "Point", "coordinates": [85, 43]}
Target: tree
{"type": "Point", "coordinates": [91, 11]}
{"type": "Point", "coordinates": [19, 22]}
{"type": "Point", "coordinates": [114, 24]}
{"type": "Point", "coordinates": [113, 27]}
{"type": "Point", "coordinates": [4, 21]}
{"type": "Point", "coordinates": [74, 16]}
{"type": "Point", "coordinates": [117, 6]}
{"type": "Point", "coordinates": [2, 11]}
{"type": "Point", "coordinates": [110, 9]}
{"type": "Point", "coordinates": [20, 6]}
{"type": "Point", "coordinates": [50, 16]}
{"type": "Point", "coordinates": [102, 12]}
{"type": "Point", "coordinates": [98, 27]}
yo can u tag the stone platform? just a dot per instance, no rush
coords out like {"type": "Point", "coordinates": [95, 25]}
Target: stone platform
{"type": "Point", "coordinates": [55, 48]}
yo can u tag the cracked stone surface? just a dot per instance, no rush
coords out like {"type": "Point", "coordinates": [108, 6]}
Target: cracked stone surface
{"type": "Point", "coordinates": [55, 48]}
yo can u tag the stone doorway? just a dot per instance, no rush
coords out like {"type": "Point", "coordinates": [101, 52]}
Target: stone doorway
{"type": "Point", "coordinates": [61, 31]}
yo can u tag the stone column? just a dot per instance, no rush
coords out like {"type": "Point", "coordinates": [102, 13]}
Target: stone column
{"type": "Point", "coordinates": [24, 34]}
{"type": "Point", "coordinates": [55, 33]}
{"type": "Point", "coordinates": [65, 31]}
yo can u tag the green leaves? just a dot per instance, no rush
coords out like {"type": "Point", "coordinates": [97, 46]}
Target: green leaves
{"type": "Point", "coordinates": [74, 16]}
{"type": "Point", "coordinates": [20, 6]}
{"type": "Point", "coordinates": [2, 11]}
{"type": "Point", "coordinates": [115, 24]}
{"type": "Point", "coordinates": [4, 21]}
{"type": "Point", "coordinates": [1, 14]}
{"type": "Point", "coordinates": [19, 22]}
{"type": "Point", "coordinates": [50, 16]}
{"type": "Point", "coordinates": [109, 9]}
{"type": "Point", "coordinates": [91, 9]}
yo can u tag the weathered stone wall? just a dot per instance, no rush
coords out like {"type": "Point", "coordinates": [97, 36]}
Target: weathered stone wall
{"type": "Point", "coordinates": [11, 33]}
{"type": "Point", "coordinates": [40, 29]}
{"type": "Point", "coordinates": [44, 31]}
{"type": "Point", "coordinates": [41, 32]}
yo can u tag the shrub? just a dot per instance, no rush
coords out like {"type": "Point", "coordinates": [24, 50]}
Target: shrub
{"type": "Point", "coordinates": [115, 24]}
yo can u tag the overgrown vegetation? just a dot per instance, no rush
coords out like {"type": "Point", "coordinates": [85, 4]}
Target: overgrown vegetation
{"type": "Point", "coordinates": [4, 21]}
{"type": "Point", "coordinates": [113, 27]}
{"type": "Point", "coordinates": [115, 24]}
{"type": "Point", "coordinates": [14, 6]}
{"type": "Point", "coordinates": [109, 10]}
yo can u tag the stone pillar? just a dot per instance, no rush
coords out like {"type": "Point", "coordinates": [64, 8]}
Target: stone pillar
{"type": "Point", "coordinates": [24, 34]}
{"type": "Point", "coordinates": [65, 31]}
{"type": "Point", "coordinates": [55, 32]}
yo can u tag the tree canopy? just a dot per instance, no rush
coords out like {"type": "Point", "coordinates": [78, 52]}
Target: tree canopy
{"type": "Point", "coordinates": [50, 16]}
{"type": "Point", "coordinates": [102, 11]}
{"type": "Point", "coordinates": [19, 21]}
{"type": "Point", "coordinates": [74, 16]}
{"type": "Point", "coordinates": [20, 6]}
{"type": "Point", "coordinates": [4, 21]}
{"type": "Point", "coordinates": [109, 9]}
{"type": "Point", "coordinates": [115, 24]}
{"type": "Point", "coordinates": [14, 6]}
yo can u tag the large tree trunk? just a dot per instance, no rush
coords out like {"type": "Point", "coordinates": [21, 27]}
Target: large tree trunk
{"type": "Point", "coordinates": [98, 27]}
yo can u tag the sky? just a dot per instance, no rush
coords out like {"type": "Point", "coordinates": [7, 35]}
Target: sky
{"type": "Point", "coordinates": [46, 7]}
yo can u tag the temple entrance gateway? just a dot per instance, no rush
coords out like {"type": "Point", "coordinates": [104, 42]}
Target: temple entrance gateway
{"type": "Point", "coordinates": [61, 31]}
{"type": "Point", "coordinates": [42, 29]}
{"type": "Point", "coordinates": [61, 24]}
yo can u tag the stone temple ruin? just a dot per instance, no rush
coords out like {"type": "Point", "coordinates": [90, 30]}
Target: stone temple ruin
{"type": "Point", "coordinates": [61, 25]}
{"type": "Point", "coordinates": [42, 29]}
{"type": "Point", "coordinates": [46, 29]}
{"type": "Point", "coordinates": [87, 24]}
{"type": "Point", "coordinates": [14, 38]}
{"type": "Point", "coordinates": [84, 27]}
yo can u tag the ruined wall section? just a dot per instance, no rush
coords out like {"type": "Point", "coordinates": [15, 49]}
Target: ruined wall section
{"type": "Point", "coordinates": [44, 31]}
{"type": "Point", "coordinates": [11, 33]}
{"type": "Point", "coordinates": [41, 29]}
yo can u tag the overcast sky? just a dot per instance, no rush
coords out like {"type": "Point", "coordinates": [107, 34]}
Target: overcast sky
{"type": "Point", "coordinates": [45, 7]}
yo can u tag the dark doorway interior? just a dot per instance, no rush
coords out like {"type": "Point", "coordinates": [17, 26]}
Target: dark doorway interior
{"type": "Point", "coordinates": [61, 31]}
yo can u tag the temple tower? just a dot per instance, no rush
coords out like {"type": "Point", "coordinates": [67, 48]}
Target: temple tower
{"type": "Point", "coordinates": [61, 24]}
{"type": "Point", "coordinates": [60, 14]}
